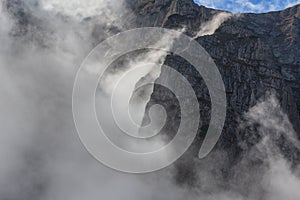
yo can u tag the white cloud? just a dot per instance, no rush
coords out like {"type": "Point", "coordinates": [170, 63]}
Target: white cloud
{"type": "Point", "coordinates": [292, 3]}
{"type": "Point", "coordinates": [237, 6]}
{"type": "Point", "coordinates": [209, 27]}
{"type": "Point", "coordinates": [41, 155]}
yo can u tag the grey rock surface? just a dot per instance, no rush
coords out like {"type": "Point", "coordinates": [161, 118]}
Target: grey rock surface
{"type": "Point", "coordinates": [256, 54]}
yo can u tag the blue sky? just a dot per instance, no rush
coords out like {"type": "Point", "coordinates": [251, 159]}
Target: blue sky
{"type": "Point", "coordinates": [256, 6]}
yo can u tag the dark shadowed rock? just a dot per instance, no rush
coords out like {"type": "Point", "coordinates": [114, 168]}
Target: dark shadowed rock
{"type": "Point", "coordinates": [255, 53]}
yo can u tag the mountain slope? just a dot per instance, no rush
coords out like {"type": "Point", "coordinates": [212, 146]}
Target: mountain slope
{"type": "Point", "coordinates": [257, 55]}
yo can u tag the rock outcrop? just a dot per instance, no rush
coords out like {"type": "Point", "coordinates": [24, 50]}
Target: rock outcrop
{"type": "Point", "coordinates": [255, 53]}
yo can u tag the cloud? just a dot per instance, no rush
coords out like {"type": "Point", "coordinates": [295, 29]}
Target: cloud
{"type": "Point", "coordinates": [41, 154]}
{"type": "Point", "coordinates": [291, 3]}
{"type": "Point", "coordinates": [88, 8]}
{"type": "Point", "coordinates": [241, 6]}
{"type": "Point", "coordinates": [209, 27]}
{"type": "Point", "coordinates": [276, 136]}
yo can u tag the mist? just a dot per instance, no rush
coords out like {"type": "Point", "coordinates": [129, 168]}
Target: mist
{"type": "Point", "coordinates": [42, 46]}
{"type": "Point", "coordinates": [43, 156]}
{"type": "Point", "coordinates": [209, 27]}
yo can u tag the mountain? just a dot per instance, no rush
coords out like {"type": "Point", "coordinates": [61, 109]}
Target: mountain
{"type": "Point", "coordinates": [257, 156]}
{"type": "Point", "coordinates": [257, 55]}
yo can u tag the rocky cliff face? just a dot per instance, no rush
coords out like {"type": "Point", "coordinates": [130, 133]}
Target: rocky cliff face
{"type": "Point", "coordinates": [256, 54]}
